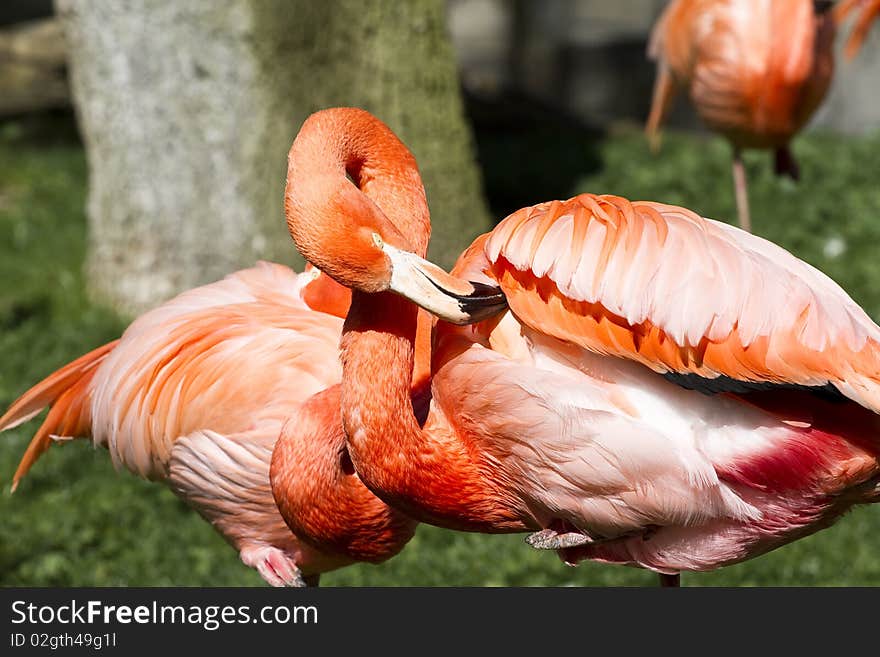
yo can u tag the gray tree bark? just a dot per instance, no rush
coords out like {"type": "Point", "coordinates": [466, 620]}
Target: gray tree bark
{"type": "Point", "coordinates": [188, 110]}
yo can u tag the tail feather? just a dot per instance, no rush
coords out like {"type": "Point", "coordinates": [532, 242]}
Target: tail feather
{"type": "Point", "coordinates": [66, 392]}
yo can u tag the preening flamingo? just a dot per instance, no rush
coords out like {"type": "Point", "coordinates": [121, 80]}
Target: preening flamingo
{"type": "Point", "coordinates": [870, 10]}
{"type": "Point", "coordinates": [195, 394]}
{"type": "Point", "coordinates": [665, 391]}
{"type": "Point", "coordinates": [755, 71]}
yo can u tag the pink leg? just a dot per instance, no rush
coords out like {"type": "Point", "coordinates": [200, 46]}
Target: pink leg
{"type": "Point", "coordinates": [741, 191]}
{"type": "Point", "coordinates": [274, 565]}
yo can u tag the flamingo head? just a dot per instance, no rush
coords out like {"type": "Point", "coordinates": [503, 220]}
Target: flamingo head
{"type": "Point", "coordinates": [356, 210]}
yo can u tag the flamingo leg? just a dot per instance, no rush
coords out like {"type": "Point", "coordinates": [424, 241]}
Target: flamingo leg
{"type": "Point", "coordinates": [274, 565]}
{"type": "Point", "coordinates": [740, 188]}
{"type": "Point", "coordinates": [668, 581]}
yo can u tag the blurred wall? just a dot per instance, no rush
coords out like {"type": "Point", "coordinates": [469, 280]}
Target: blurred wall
{"type": "Point", "coordinates": [587, 58]}
{"type": "Point", "coordinates": [15, 11]}
{"type": "Point", "coordinates": [853, 104]}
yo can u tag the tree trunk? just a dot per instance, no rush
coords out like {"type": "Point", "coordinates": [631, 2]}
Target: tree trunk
{"type": "Point", "coordinates": [188, 110]}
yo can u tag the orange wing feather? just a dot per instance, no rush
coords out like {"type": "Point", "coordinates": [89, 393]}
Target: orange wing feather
{"type": "Point", "coordinates": [679, 293]}
{"type": "Point", "coordinates": [65, 390]}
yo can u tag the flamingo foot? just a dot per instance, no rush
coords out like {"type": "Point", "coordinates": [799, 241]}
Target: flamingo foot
{"type": "Point", "coordinates": [550, 539]}
{"type": "Point", "coordinates": [274, 566]}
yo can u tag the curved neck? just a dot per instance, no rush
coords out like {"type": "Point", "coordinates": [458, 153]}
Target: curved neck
{"type": "Point", "coordinates": [428, 473]}
{"type": "Point", "coordinates": [319, 495]}
{"type": "Point", "coordinates": [431, 473]}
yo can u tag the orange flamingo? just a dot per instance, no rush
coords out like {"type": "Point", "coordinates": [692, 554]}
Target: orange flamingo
{"type": "Point", "coordinates": [870, 10]}
{"type": "Point", "coordinates": [314, 483]}
{"type": "Point", "coordinates": [195, 393]}
{"type": "Point", "coordinates": [755, 70]}
{"type": "Point", "coordinates": [665, 391]}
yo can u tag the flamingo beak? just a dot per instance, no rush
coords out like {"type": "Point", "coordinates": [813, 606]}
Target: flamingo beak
{"type": "Point", "coordinates": [451, 299]}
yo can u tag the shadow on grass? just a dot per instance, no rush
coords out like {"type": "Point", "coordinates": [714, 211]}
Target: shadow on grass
{"type": "Point", "coordinates": [55, 127]}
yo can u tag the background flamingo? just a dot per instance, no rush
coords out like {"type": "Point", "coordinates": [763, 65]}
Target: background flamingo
{"type": "Point", "coordinates": [195, 393]}
{"type": "Point", "coordinates": [755, 71]}
{"type": "Point", "coordinates": [666, 391]}
{"type": "Point", "coordinates": [870, 9]}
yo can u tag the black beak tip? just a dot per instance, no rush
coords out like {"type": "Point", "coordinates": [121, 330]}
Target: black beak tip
{"type": "Point", "coordinates": [484, 302]}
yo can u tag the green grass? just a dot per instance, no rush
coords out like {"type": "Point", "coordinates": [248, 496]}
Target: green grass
{"type": "Point", "coordinates": [75, 521]}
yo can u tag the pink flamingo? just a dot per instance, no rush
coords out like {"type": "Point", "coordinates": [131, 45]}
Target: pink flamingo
{"type": "Point", "coordinates": [665, 391]}
{"type": "Point", "coordinates": [195, 394]}
{"type": "Point", "coordinates": [870, 10]}
{"type": "Point", "coordinates": [755, 71]}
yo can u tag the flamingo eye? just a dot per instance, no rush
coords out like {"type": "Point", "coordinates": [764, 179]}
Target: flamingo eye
{"type": "Point", "coordinates": [377, 240]}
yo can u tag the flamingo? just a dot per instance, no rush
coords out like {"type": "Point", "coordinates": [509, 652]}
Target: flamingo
{"type": "Point", "coordinates": [870, 10]}
{"type": "Point", "coordinates": [195, 394]}
{"type": "Point", "coordinates": [755, 70]}
{"type": "Point", "coordinates": [662, 390]}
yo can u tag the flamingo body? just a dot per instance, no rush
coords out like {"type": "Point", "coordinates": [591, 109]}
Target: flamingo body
{"type": "Point", "coordinates": [755, 70]}
{"type": "Point", "coordinates": [195, 393]}
{"type": "Point", "coordinates": [664, 391]}
{"type": "Point", "coordinates": [596, 439]}
{"type": "Point", "coordinates": [167, 377]}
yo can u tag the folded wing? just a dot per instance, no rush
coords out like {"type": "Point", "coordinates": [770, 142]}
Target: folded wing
{"type": "Point", "coordinates": [678, 293]}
